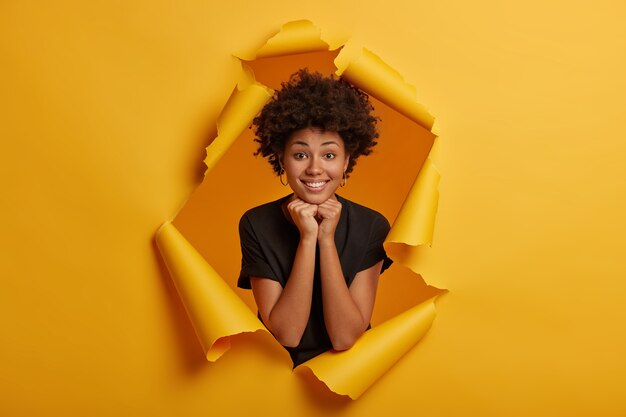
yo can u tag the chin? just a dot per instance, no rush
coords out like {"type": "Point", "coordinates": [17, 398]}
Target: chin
{"type": "Point", "coordinates": [314, 198]}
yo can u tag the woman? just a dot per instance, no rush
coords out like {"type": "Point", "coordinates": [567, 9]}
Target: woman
{"type": "Point", "coordinates": [313, 258]}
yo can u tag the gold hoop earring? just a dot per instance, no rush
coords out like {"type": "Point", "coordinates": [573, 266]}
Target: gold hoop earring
{"type": "Point", "coordinates": [344, 180]}
{"type": "Point", "coordinates": [280, 177]}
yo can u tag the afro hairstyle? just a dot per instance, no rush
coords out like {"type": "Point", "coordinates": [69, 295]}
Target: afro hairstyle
{"type": "Point", "coordinates": [311, 100]}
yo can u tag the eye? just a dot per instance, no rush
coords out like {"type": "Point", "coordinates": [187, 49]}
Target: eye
{"type": "Point", "coordinates": [329, 155]}
{"type": "Point", "coordinates": [299, 155]}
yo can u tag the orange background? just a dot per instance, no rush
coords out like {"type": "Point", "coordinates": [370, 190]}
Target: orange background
{"type": "Point", "coordinates": [105, 113]}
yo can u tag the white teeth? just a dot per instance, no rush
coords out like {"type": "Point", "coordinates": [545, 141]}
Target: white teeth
{"type": "Point", "coordinates": [315, 184]}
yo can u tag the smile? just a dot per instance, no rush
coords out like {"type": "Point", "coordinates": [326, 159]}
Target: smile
{"type": "Point", "coordinates": [315, 185]}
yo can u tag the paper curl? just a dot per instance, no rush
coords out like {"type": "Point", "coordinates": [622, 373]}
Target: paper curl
{"type": "Point", "coordinates": [415, 223]}
{"type": "Point", "coordinates": [368, 72]}
{"type": "Point", "coordinates": [296, 37]}
{"type": "Point", "coordinates": [241, 107]}
{"type": "Point", "coordinates": [215, 311]}
{"type": "Point", "coordinates": [351, 372]}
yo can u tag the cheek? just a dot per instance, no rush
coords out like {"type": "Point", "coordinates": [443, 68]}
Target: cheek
{"type": "Point", "coordinates": [292, 169]}
{"type": "Point", "coordinates": [339, 168]}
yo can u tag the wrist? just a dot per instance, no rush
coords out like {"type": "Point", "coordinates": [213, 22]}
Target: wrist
{"type": "Point", "coordinates": [308, 240]}
{"type": "Point", "coordinates": [326, 240]}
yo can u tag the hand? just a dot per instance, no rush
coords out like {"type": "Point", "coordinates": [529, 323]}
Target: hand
{"type": "Point", "coordinates": [303, 215]}
{"type": "Point", "coordinates": [328, 214]}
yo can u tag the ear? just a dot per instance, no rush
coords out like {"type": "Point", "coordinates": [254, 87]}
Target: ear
{"type": "Point", "coordinates": [345, 165]}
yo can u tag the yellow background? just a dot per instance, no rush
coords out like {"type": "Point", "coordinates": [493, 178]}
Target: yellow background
{"type": "Point", "coordinates": [107, 108]}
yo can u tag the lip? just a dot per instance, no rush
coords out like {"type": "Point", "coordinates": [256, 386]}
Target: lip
{"type": "Point", "coordinates": [316, 181]}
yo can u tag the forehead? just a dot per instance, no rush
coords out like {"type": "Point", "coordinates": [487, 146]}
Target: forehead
{"type": "Point", "coordinates": [313, 137]}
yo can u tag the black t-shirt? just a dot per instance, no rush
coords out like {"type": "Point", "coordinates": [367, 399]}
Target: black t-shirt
{"type": "Point", "coordinates": [268, 247]}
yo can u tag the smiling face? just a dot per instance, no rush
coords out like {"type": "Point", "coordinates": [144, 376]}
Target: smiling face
{"type": "Point", "coordinates": [314, 161]}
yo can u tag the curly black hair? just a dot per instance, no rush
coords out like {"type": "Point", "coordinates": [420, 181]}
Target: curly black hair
{"type": "Point", "coordinates": [315, 101]}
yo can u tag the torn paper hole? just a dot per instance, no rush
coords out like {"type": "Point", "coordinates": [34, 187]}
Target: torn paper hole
{"type": "Point", "coordinates": [210, 217]}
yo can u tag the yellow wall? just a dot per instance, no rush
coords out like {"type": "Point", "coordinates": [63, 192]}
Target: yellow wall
{"type": "Point", "coordinates": [105, 113]}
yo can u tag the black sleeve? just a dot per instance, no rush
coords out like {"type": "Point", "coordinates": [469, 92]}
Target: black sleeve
{"type": "Point", "coordinates": [375, 251]}
{"type": "Point", "coordinates": [253, 260]}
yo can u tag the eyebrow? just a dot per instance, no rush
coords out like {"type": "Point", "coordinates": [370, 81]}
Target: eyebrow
{"type": "Point", "coordinates": [299, 142]}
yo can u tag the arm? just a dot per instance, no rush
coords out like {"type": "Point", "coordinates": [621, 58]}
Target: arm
{"type": "Point", "coordinates": [285, 311]}
{"type": "Point", "coordinates": [347, 311]}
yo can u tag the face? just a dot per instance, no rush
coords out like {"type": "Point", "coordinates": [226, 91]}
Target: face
{"type": "Point", "coordinates": [314, 162]}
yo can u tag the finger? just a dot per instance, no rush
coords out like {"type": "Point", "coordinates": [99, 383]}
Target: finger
{"type": "Point", "coordinates": [331, 203]}
{"type": "Point", "coordinates": [328, 213]}
{"type": "Point", "coordinates": [310, 210]}
{"type": "Point", "coordinates": [295, 201]}
{"type": "Point", "coordinates": [296, 205]}
{"type": "Point", "coordinates": [305, 209]}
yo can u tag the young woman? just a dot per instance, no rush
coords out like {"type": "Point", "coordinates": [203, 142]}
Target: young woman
{"type": "Point", "coordinates": [313, 258]}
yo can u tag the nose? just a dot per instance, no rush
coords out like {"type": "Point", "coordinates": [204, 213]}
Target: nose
{"type": "Point", "coordinates": [314, 167]}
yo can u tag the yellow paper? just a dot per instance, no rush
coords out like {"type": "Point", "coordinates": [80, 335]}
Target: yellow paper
{"type": "Point", "coordinates": [215, 311]}
{"type": "Point", "coordinates": [415, 223]}
{"type": "Point", "coordinates": [416, 220]}
{"type": "Point", "coordinates": [241, 107]}
{"type": "Point", "coordinates": [368, 72]}
{"type": "Point", "coordinates": [353, 371]}
{"type": "Point", "coordinates": [100, 108]}
{"type": "Point", "coordinates": [296, 37]}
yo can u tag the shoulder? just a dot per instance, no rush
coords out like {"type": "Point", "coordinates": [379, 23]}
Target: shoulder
{"type": "Point", "coordinates": [367, 230]}
{"type": "Point", "coordinates": [262, 212]}
{"type": "Point", "coordinates": [264, 220]}
{"type": "Point", "coordinates": [262, 209]}
{"type": "Point", "coordinates": [363, 215]}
